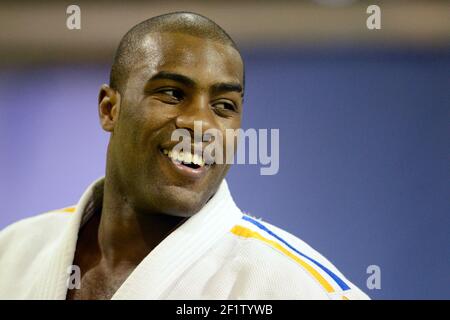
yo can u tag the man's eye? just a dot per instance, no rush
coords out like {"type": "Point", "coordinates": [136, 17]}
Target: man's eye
{"type": "Point", "coordinates": [172, 93]}
{"type": "Point", "coordinates": [224, 106]}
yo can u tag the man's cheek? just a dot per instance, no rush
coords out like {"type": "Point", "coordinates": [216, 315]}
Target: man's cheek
{"type": "Point", "coordinates": [230, 149]}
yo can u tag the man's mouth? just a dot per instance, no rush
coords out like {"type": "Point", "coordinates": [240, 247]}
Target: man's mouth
{"type": "Point", "coordinates": [186, 163]}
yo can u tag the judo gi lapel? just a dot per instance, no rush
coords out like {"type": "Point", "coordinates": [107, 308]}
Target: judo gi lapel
{"type": "Point", "coordinates": [57, 259]}
{"type": "Point", "coordinates": [173, 256]}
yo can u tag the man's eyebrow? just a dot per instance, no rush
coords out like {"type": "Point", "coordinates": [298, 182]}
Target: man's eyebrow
{"type": "Point", "coordinates": [226, 87]}
{"type": "Point", "coordinates": [165, 75]}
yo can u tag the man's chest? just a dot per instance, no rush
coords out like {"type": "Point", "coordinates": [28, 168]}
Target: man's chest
{"type": "Point", "coordinates": [99, 284]}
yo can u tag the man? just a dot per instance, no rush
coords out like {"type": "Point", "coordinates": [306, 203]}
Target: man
{"type": "Point", "coordinates": [161, 225]}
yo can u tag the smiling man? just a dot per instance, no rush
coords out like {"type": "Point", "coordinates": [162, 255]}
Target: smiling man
{"type": "Point", "coordinates": [162, 224]}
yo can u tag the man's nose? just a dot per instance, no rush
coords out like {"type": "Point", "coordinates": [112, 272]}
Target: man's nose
{"type": "Point", "coordinates": [197, 110]}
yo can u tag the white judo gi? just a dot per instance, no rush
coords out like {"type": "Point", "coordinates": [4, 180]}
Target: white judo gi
{"type": "Point", "coordinates": [219, 253]}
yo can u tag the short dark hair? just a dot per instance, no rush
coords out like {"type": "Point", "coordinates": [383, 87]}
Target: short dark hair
{"type": "Point", "coordinates": [178, 22]}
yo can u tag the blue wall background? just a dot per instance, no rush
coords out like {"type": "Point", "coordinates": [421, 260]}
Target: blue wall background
{"type": "Point", "coordinates": [364, 141]}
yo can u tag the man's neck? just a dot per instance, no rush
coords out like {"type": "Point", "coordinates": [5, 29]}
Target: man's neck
{"type": "Point", "coordinates": [125, 235]}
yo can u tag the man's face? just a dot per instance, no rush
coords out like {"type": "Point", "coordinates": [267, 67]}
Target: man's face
{"type": "Point", "coordinates": [178, 79]}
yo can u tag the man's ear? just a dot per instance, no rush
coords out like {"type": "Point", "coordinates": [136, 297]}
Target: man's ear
{"type": "Point", "coordinates": [108, 107]}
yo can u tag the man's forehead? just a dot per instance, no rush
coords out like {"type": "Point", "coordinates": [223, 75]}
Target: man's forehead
{"type": "Point", "coordinates": [184, 53]}
{"type": "Point", "coordinates": [177, 41]}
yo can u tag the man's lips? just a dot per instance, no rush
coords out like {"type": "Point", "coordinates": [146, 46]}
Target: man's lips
{"type": "Point", "coordinates": [190, 171]}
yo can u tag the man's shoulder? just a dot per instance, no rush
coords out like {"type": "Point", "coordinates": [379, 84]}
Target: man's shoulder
{"type": "Point", "coordinates": [37, 228]}
{"type": "Point", "coordinates": [272, 241]}
{"type": "Point", "coordinates": [277, 238]}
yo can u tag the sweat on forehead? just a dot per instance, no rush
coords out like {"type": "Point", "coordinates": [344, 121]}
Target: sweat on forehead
{"type": "Point", "coordinates": [178, 22]}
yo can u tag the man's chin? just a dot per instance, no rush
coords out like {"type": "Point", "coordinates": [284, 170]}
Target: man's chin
{"type": "Point", "coordinates": [183, 209]}
{"type": "Point", "coordinates": [181, 214]}
{"type": "Point", "coordinates": [181, 202]}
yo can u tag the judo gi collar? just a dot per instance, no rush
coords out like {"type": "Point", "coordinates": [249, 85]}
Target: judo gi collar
{"type": "Point", "coordinates": [166, 262]}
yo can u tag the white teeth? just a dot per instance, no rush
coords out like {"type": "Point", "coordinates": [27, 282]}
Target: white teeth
{"type": "Point", "coordinates": [196, 159]}
{"type": "Point", "coordinates": [180, 156]}
{"type": "Point", "coordinates": [185, 157]}
{"type": "Point", "coordinates": [174, 155]}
